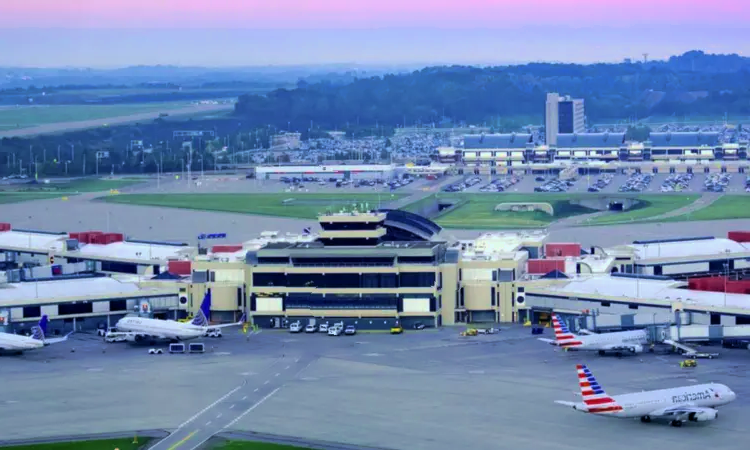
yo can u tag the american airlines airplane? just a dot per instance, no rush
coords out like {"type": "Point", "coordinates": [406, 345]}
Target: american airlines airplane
{"type": "Point", "coordinates": [619, 342]}
{"type": "Point", "coordinates": [145, 328]}
{"type": "Point", "coordinates": [14, 343]}
{"type": "Point", "coordinates": [678, 405]}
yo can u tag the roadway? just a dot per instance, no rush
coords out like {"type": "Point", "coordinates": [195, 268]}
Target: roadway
{"type": "Point", "coordinates": [62, 127]}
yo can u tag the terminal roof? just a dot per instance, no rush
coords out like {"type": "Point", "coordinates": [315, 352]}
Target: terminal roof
{"type": "Point", "coordinates": [648, 289]}
{"type": "Point", "coordinates": [133, 251]}
{"type": "Point", "coordinates": [32, 240]}
{"type": "Point", "coordinates": [691, 139]}
{"type": "Point", "coordinates": [512, 140]}
{"type": "Point", "coordinates": [685, 248]}
{"type": "Point", "coordinates": [590, 140]}
{"type": "Point", "coordinates": [21, 293]}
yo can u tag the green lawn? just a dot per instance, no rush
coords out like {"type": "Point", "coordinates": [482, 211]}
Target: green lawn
{"type": "Point", "coordinates": [74, 186]}
{"type": "Point", "coordinates": [17, 117]}
{"type": "Point", "coordinates": [250, 445]}
{"type": "Point", "coordinates": [304, 206]}
{"type": "Point", "coordinates": [726, 207]}
{"type": "Point", "coordinates": [651, 206]}
{"type": "Point", "coordinates": [478, 211]}
{"type": "Point", "coordinates": [108, 444]}
{"type": "Point", "coordinates": [24, 196]}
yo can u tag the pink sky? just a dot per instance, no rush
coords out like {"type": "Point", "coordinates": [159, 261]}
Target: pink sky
{"type": "Point", "coordinates": [367, 13]}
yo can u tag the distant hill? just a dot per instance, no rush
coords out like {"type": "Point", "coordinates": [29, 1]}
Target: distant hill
{"type": "Point", "coordinates": [692, 83]}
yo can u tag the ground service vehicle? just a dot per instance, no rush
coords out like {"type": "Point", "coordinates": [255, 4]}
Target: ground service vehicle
{"type": "Point", "coordinates": [688, 363]}
{"type": "Point", "coordinates": [398, 329]}
{"type": "Point", "coordinates": [350, 330]}
{"type": "Point", "coordinates": [296, 327]}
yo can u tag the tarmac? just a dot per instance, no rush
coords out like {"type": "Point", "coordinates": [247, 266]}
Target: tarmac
{"type": "Point", "coordinates": [421, 390]}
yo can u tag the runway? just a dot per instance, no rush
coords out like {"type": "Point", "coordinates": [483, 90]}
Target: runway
{"type": "Point", "coordinates": [421, 390]}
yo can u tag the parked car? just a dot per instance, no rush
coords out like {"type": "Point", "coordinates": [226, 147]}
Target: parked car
{"type": "Point", "coordinates": [350, 330]}
{"type": "Point", "coordinates": [296, 327]}
{"type": "Point", "coordinates": [334, 331]}
{"type": "Point", "coordinates": [419, 326]}
{"type": "Point", "coordinates": [311, 328]}
{"type": "Point", "coordinates": [323, 328]}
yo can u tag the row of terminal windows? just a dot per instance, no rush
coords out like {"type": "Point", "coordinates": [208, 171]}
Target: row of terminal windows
{"type": "Point", "coordinates": [346, 280]}
{"type": "Point", "coordinates": [66, 309]}
{"type": "Point", "coordinates": [347, 262]}
{"type": "Point", "coordinates": [372, 301]}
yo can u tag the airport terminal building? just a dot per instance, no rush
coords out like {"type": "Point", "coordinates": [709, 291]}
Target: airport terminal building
{"type": "Point", "coordinates": [678, 152]}
{"type": "Point", "coordinates": [373, 270]}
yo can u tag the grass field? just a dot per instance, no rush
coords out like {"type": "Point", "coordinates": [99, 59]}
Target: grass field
{"type": "Point", "coordinates": [108, 444]}
{"type": "Point", "coordinates": [651, 206]}
{"type": "Point", "coordinates": [249, 445]}
{"type": "Point", "coordinates": [303, 206]}
{"type": "Point", "coordinates": [24, 196]}
{"type": "Point", "coordinates": [17, 117]}
{"type": "Point", "coordinates": [478, 211]}
{"type": "Point", "coordinates": [72, 187]}
{"type": "Point", "coordinates": [726, 207]}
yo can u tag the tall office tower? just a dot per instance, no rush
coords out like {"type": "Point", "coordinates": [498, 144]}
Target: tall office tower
{"type": "Point", "coordinates": [564, 115]}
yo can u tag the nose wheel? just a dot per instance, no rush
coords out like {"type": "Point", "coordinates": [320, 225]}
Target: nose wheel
{"type": "Point", "coordinates": [676, 423]}
{"type": "Point", "coordinates": [646, 419]}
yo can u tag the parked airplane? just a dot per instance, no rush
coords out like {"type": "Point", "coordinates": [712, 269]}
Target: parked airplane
{"type": "Point", "coordinates": [678, 405]}
{"type": "Point", "coordinates": [619, 342]}
{"type": "Point", "coordinates": [145, 328]}
{"type": "Point", "coordinates": [14, 343]}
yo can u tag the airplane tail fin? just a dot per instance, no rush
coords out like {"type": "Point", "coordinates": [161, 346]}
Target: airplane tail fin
{"type": "Point", "coordinates": [40, 330]}
{"type": "Point", "coordinates": [201, 317]}
{"type": "Point", "coordinates": [563, 336]}
{"type": "Point", "coordinates": [596, 400]}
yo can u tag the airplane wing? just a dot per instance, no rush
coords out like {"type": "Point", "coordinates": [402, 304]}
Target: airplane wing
{"type": "Point", "coordinates": [564, 403]}
{"type": "Point", "coordinates": [549, 341]}
{"type": "Point", "coordinates": [235, 324]}
{"type": "Point", "coordinates": [49, 341]}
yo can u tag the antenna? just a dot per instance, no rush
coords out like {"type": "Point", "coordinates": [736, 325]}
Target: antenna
{"type": "Point", "coordinates": [645, 57]}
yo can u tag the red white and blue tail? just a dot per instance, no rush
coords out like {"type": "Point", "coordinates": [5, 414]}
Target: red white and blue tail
{"type": "Point", "coordinates": [596, 400]}
{"type": "Point", "coordinates": [563, 336]}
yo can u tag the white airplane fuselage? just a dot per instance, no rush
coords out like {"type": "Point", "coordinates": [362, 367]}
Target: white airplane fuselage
{"type": "Point", "coordinates": [611, 341]}
{"type": "Point", "coordinates": [640, 404]}
{"type": "Point", "coordinates": [168, 329]}
{"type": "Point", "coordinates": [16, 343]}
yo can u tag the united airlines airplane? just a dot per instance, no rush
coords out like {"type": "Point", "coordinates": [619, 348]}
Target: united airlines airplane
{"type": "Point", "coordinates": [14, 343]}
{"type": "Point", "coordinates": [696, 403]}
{"type": "Point", "coordinates": [619, 342]}
{"type": "Point", "coordinates": [145, 328]}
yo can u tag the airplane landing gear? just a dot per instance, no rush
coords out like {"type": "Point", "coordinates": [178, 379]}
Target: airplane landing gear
{"type": "Point", "coordinates": [676, 423]}
{"type": "Point", "coordinates": [601, 352]}
{"type": "Point", "coordinates": [646, 419]}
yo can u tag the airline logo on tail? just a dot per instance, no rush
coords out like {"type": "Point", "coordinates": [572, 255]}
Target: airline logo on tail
{"type": "Point", "coordinates": [39, 331]}
{"type": "Point", "coordinates": [201, 317]}
{"type": "Point", "coordinates": [596, 400]}
{"type": "Point", "coordinates": [563, 336]}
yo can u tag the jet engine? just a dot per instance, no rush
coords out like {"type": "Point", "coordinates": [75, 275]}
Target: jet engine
{"type": "Point", "coordinates": [703, 416]}
{"type": "Point", "coordinates": [636, 349]}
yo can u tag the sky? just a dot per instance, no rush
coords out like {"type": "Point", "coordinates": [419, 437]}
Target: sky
{"type": "Point", "coordinates": [106, 33]}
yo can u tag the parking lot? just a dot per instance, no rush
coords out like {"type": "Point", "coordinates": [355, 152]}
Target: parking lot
{"type": "Point", "coordinates": [427, 389]}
